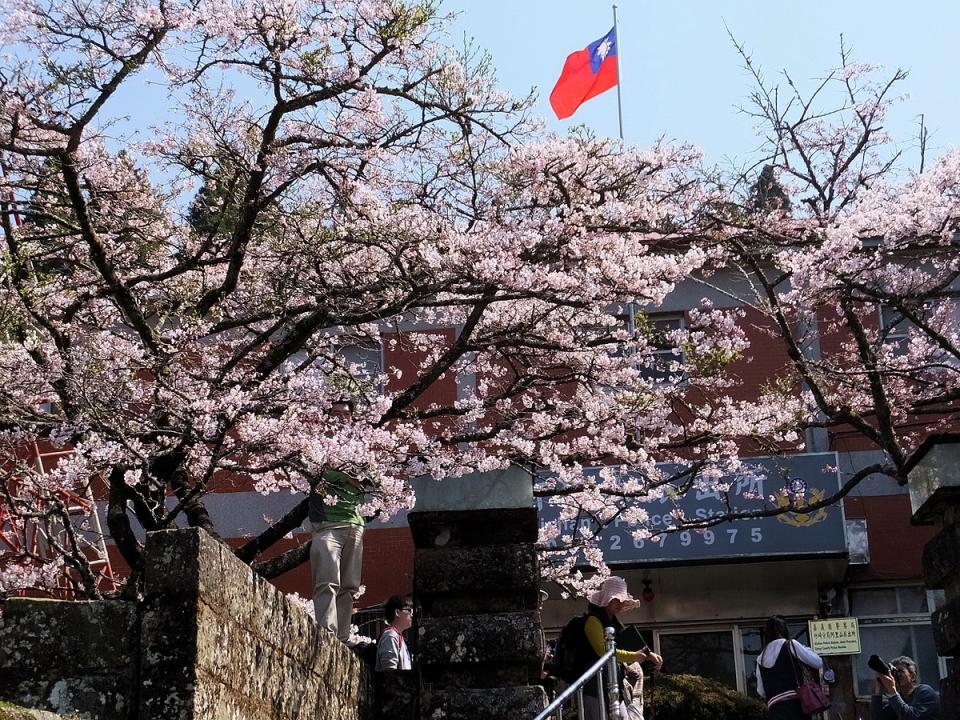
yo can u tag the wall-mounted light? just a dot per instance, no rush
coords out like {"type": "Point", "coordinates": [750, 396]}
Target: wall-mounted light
{"type": "Point", "coordinates": [647, 594]}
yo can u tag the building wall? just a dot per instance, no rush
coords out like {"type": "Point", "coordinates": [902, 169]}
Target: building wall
{"type": "Point", "coordinates": [896, 546]}
{"type": "Point", "coordinates": [724, 594]}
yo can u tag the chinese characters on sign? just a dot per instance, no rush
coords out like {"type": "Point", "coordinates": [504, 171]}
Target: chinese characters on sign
{"type": "Point", "coordinates": [836, 636]}
{"type": "Point", "coordinates": [820, 532]}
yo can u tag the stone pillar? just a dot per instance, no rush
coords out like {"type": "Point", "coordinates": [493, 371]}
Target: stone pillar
{"type": "Point", "coordinates": [476, 585]}
{"type": "Point", "coordinates": [934, 480]}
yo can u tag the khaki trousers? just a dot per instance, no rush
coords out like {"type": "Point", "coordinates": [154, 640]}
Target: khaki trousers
{"type": "Point", "coordinates": [335, 558]}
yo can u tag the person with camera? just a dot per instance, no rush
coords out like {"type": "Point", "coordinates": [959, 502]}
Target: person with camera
{"type": "Point", "coordinates": [898, 694]}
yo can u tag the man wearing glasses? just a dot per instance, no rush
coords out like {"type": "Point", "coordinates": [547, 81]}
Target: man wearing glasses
{"type": "Point", "coordinates": [392, 650]}
{"type": "Point", "coordinates": [899, 696]}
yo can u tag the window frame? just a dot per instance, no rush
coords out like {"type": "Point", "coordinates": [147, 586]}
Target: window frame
{"type": "Point", "coordinates": [671, 353]}
{"type": "Point", "coordinates": [899, 619]}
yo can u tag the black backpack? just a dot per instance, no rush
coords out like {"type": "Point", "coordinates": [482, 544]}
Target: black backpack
{"type": "Point", "coordinates": [568, 658]}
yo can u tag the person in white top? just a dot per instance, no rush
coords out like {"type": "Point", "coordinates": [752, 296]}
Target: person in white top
{"type": "Point", "coordinates": [393, 653]}
{"type": "Point", "coordinates": [778, 670]}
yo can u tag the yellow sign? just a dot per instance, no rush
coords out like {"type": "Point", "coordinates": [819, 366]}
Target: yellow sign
{"type": "Point", "coordinates": [835, 636]}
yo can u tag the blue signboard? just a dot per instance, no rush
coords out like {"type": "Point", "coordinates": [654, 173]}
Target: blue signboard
{"type": "Point", "coordinates": [821, 532]}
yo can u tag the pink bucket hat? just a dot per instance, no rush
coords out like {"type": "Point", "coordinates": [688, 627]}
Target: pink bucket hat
{"type": "Point", "coordinates": [613, 588]}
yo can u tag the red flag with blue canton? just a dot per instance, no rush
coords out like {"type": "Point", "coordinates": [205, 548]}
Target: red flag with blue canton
{"type": "Point", "coordinates": [586, 74]}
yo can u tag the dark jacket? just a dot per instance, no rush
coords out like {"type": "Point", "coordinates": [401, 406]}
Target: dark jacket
{"type": "Point", "coordinates": [782, 677]}
{"type": "Point", "coordinates": [923, 704]}
{"type": "Point", "coordinates": [590, 655]}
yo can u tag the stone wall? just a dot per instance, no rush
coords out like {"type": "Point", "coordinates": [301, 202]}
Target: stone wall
{"type": "Point", "coordinates": [211, 640]}
{"type": "Point", "coordinates": [65, 656]}
{"type": "Point", "coordinates": [231, 644]}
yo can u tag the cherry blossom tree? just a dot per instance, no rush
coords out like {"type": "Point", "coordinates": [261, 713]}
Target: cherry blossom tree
{"type": "Point", "coordinates": [859, 281]}
{"type": "Point", "coordinates": [178, 299]}
{"type": "Point", "coordinates": [845, 262]}
{"type": "Point", "coordinates": [357, 177]}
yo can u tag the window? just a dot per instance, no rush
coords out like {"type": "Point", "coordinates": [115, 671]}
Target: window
{"type": "Point", "coordinates": [708, 654]}
{"type": "Point", "coordinates": [894, 621]}
{"type": "Point", "coordinates": [893, 328]}
{"type": "Point", "coordinates": [665, 358]}
{"type": "Point", "coordinates": [361, 365]}
{"type": "Point", "coordinates": [367, 360]}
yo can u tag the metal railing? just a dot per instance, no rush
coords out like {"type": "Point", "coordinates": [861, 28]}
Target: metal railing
{"type": "Point", "coordinates": [608, 710]}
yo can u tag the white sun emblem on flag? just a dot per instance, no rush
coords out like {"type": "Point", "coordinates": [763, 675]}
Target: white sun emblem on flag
{"type": "Point", "coordinates": [604, 48]}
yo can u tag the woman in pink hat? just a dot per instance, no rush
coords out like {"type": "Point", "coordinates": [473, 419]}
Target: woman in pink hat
{"type": "Point", "coordinates": [605, 604]}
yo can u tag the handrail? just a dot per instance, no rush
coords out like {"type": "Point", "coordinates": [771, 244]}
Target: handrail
{"type": "Point", "coordinates": [576, 685]}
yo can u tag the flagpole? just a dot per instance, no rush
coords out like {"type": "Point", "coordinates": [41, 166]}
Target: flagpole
{"type": "Point", "coordinates": [616, 35]}
{"type": "Point", "coordinates": [631, 306]}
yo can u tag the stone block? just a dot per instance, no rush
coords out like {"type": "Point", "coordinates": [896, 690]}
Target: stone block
{"type": "Point", "coordinates": [515, 703]}
{"type": "Point", "coordinates": [458, 569]}
{"type": "Point", "coordinates": [42, 636]}
{"type": "Point", "coordinates": [491, 489]}
{"type": "Point", "coordinates": [168, 635]}
{"type": "Point", "coordinates": [940, 558]}
{"type": "Point", "coordinates": [946, 628]}
{"type": "Point", "coordinates": [396, 695]}
{"type": "Point", "coordinates": [473, 528]}
{"type": "Point", "coordinates": [950, 695]}
{"type": "Point", "coordinates": [485, 603]}
{"type": "Point", "coordinates": [104, 697]}
{"type": "Point", "coordinates": [173, 561]}
{"type": "Point", "coordinates": [934, 477]}
{"type": "Point", "coordinates": [479, 580]}
{"type": "Point", "coordinates": [481, 651]}
{"type": "Point", "coordinates": [69, 656]}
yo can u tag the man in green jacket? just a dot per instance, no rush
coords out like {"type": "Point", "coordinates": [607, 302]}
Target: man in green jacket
{"type": "Point", "coordinates": [336, 554]}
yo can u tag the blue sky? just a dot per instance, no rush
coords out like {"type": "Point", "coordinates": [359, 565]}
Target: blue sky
{"type": "Point", "coordinates": [682, 78]}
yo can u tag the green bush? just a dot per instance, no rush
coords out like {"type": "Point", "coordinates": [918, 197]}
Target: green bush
{"type": "Point", "coordinates": [691, 697]}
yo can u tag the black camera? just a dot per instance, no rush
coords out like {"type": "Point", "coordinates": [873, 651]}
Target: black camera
{"type": "Point", "coordinates": [880, 666]}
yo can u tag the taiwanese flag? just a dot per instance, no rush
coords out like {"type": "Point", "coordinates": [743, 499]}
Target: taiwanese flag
{"type": "Point", "coordinates": [586, 74]}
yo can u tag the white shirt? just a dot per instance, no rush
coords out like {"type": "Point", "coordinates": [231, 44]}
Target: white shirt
{"type": "Point", "coordinates": [768, 657]}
